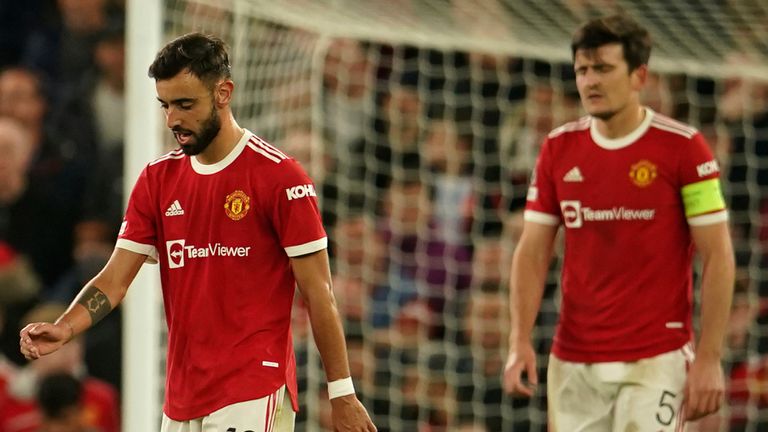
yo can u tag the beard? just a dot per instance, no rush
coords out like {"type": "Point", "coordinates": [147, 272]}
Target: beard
{"type": "Point", "coordinates": [201, 140]}
{"type": "Point", "coordinates": [604, 115]}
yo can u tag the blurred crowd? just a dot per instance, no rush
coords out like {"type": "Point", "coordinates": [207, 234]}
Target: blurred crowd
{"type": "Point", "coordinates": [61, 139]}
{"type": "Point", "coordinates": [422, 163]}
{"type": "Point", "coordinates": [426, 157]}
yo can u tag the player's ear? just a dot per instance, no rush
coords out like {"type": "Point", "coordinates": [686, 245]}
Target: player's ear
{"type": "Point", "coordinates": [639, 77]}
{"type": "Point", "coordinates": [223, 93]}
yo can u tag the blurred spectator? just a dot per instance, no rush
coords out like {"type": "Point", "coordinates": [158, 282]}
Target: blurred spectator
{"type": "Point", "coordinates": [33, 218]}
{"type": "Point", "coordinates": [743, 105]}
{"type": "Point", "coordinates": [348, 105]}
{"type": "Point", "coordinates": [24, 96]}
{"type": "Point", "coordinates": [60, 399]}
{"type": "Point", "coordinates": [404, 110]}
{"type": "Point", "coordinates": [421, 267]}
{"type": "Point", "coordinates": [480, 393]}
{"type": "Point", "coordinates": [92, 113]}
{"type": "Point", "coordinates": [348, 78]}
{"type": "Point", "coordinates": [447, 153]}
{"type": "Point", "coordinates": [545, 107]}
{"type": "Point", "coordinates": [393, 152]}
{"type": "Point", "coordinates": [351, 237]}
{"type": "Point", "coordinates": [34, 222]}
{"type": "Point", "coordinates": [20, 412]}
{"type": "Point", "coordinates": [65, 52]}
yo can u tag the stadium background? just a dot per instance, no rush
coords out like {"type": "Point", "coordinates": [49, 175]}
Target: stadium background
{"type": "Point", "coordinates": [420, 122]}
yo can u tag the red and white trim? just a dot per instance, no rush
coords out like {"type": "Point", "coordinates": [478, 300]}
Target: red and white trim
{"type": "Point", "coordinates": [578, 125]}
{"type": "Point", "coordinates": [265, 149]}
{"type": "Point", "coordinates": [665, 123]}
{"type": "Point", "coordinates": [541, 218]}
{"type": "Point", "coordinates": [143, 249]}
{"type": "Point", "coordinates": [175, 154]}
{"type": "Point", "coordinates": [709, 218]}
{"type": "Point", "coordinates": [307, 248]}
{"type": "Point", "coordinates": [273, 407]}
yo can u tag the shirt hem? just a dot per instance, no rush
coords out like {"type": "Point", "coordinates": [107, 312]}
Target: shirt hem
{"type": "Point", "coordinates": [616, 356]}
{"type": "Point", "coordinates": [186, 414]}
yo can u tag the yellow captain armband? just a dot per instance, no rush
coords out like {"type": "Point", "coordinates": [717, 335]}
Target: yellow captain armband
{"type": "Point", "coordinates": [702, 197]}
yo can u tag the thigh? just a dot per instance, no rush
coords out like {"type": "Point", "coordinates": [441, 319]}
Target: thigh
{"type": "Point", "coordinates": [576, 400]}
{"type": "Point", "coordinates": [653, 398]}
{"type": "Point", "coordinates": [640, 408]}
{"type": "Point", "coordinates": [271, 413]}
{"type": "Point", "coordinates": [169, 425]}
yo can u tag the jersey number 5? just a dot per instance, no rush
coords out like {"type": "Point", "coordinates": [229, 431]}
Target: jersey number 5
{"type": "Point", "coordinates": [666, 412]}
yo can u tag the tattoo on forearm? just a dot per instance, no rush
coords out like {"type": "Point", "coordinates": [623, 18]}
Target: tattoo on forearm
{"type": "Point", "coordinates": [96, 302]}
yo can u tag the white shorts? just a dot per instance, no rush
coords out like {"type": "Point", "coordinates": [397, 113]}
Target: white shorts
{"type": "Point", "coordinates": [645, 395]}
{"type": "Point", "coordinates": [272, 413]}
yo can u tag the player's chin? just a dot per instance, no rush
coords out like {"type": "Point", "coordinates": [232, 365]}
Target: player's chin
{"type": "Point", "coordinates": [190, 149]}
{"type": "Point", "coordinates": [601, 113]}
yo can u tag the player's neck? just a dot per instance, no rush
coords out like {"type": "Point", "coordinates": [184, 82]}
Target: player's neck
{"type": "Point", "coordinates": [228, 137]}
{"type": "Point", "coordinates": [622, 123]}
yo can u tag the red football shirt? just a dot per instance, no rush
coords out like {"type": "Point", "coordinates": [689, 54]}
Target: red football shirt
{"type": "Point", "coordinates": [223, 235]}
{"type": "Point", "coordinates": [627, 274]}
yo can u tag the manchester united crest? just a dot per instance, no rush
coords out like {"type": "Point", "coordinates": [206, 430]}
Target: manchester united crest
{"type": "Point", "coordinates": [643, 173]}
{"type": "Point", "coordinates": [237, 205]}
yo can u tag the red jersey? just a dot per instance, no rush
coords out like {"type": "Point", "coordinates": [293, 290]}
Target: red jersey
{"type": "Point", "coordinates": [223, 235]}
{"type": "Point", "coordinates": [626, 205]}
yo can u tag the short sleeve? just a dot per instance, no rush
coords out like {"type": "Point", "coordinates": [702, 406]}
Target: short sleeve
{"type": "Point", "coordinates": [541, 201]}
{"type": "Point", "coordinates": [296, 215]}
{"type": "Point", "coordinates": [138, 233]}
{"type": "Point", "coordinates": [700, 184]}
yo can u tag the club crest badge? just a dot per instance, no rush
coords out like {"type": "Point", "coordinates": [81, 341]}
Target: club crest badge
{"type": "Point", "coordinates": [237, 204]}
{"type": "Point", "coordinates": [643, 173]}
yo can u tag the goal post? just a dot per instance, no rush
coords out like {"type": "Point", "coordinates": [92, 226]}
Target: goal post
{"type": "Point", "coordinates": [143, 325]}
{"type": "Point", "coordinates": [420, 122]}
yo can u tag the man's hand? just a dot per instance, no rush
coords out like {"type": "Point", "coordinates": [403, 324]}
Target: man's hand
{"type": "Point", "coordinates": [704, 388]}
{"type": "Point", "coordinates": [521, 359]}
{"type": "Point", "coordinates": [39, 339]}
{"type": "Point", "coordinates": [349, 415]}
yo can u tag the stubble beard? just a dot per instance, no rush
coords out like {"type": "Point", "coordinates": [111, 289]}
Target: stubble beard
{"type": "Point", "coordinates": [208, 132]}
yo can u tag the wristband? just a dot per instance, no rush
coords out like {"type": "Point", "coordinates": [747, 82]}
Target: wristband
{"type": "Point", "coordinates": [341, 387]}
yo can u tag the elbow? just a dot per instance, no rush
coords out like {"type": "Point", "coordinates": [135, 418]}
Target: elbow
{"type": "Point", "coordinates": [120, 292]}
{"type": "Point", "coordinates": [319, 296]}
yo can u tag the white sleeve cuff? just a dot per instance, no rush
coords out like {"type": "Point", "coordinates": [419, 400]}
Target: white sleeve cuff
{"type": "Point", "coordinates": [709, 218]}
{"type": "Point", "coordinates": [307, 248]}
{"type": "Point", "coordinates": [540, 217]}
{"type": "Point", "coordinates": [149, 250]}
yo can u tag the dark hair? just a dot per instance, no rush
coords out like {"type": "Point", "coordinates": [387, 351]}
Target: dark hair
{"type": "Point", "coordinates": [57, 393]}
{"type": "Point", "coordinates": [621, 29]}
{"type": "Point", "coordinates": [203, 55]}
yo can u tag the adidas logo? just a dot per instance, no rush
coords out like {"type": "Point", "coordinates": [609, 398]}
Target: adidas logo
{"type": "Point", "coordinates": [175, 209]}
{"type": "Point", "coordinates": [573, 176]}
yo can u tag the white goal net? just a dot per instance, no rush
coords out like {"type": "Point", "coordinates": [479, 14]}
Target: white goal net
{"type": "Point", "coordinates": [420, 121]}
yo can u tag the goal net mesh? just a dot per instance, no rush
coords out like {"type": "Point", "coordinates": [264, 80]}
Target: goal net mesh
{"type": "Point", "coordinates": [420, 121]}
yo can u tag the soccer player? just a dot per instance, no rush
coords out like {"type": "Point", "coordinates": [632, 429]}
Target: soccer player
{"type": "Point", "coordinates": [636, 192]}
{"type": "Point", "coordinates": [234, 224]}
